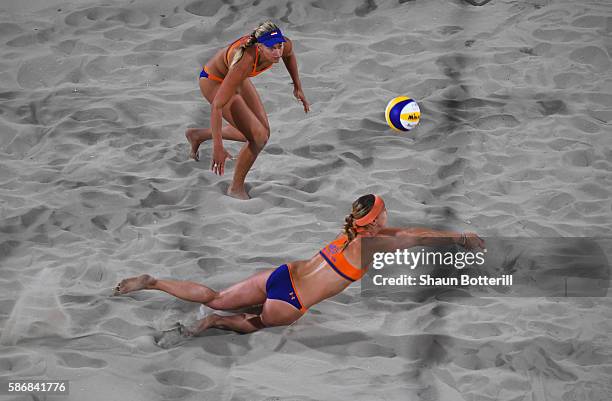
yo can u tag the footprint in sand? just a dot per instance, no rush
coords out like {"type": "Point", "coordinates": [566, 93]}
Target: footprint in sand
{"type": "Point", "coordinates": [77, 361]}
{"type": "Point", "coordinates": [593, 56]}
{"type": "Point", "coordinates": [186, 379]}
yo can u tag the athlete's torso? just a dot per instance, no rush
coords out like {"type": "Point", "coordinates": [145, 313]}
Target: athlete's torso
{"type": "Point", "coordinates": [316, 280]}
{"type": "Point", "coordinates": [219, 64]}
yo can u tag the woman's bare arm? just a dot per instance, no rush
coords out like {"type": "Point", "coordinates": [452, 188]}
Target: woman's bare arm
{"type": "Point", "coordinates": [409, 237]}
{"type": "Point", "coordinates": [429, 237]}
{"type": "Point", "coordinates": [391, 231]}
{"type": "Point", "coordinates": [291, 64]}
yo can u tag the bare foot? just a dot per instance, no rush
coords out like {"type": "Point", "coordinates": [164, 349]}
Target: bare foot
{"type": "Point", "coordinates": [200, 326]}
{"type": "Point", "coordinates": [190, 133]}
{"type": "Point", "coordinates": [238, 193]}
{"type": "Point", "coordinates": [134, 284]}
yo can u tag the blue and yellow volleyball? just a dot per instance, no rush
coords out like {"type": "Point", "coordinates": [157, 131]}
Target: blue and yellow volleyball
{"type": "Point", "coordinates": [402, 113]}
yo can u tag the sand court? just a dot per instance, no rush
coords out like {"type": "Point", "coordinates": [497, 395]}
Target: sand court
{"type": "Point", "coordinates": [96, 185]}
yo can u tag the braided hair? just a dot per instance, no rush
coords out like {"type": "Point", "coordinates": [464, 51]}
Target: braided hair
{"type": "Point", "coordinates": [262, 29]}
{"type": "Point", "coordinates": [361, 207]}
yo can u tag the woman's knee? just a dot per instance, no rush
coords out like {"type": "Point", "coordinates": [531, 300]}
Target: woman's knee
{"type": "Point", "coordinates": [260, 138]}
{"type": "Point", "coordinates": [218, 302]}
{"type": "Point", "coordinates": [192, 132]}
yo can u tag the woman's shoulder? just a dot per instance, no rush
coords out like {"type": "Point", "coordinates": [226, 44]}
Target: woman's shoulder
{"type": "Point", "coordinates": [336, 243]}
{"type": "Point", "coordinates": [288, 47]}
{"type": "Point", "coordinates": [230, 49]}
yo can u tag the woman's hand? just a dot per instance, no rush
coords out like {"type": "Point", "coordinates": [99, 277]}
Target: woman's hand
{"type": "Point", "coordinates": [471, 241]}
{"type": "Point", "coordinates": [218, 159]}
{"type": "Point", "coordinates": [300, 96]}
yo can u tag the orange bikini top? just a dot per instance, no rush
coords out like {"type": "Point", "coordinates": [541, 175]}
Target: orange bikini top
{"type": "Point", "coordinates": [333, 255]}
{"type": "Point", "coordinates": [237, 43]}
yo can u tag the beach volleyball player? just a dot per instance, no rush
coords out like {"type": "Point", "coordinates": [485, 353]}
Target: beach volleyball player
{"type": "Point", "coordinates": [287, 291]}
{"type": "Point", "coordinates": [224, 82]}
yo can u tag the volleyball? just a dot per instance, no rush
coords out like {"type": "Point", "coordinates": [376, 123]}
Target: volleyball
{"type": "Point", "coordinates": [402, 113]}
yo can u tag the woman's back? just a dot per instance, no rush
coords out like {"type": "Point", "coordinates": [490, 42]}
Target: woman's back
{"type": "Point", "coordinates": [317, 279]}
{"type": "Point", "coordinates": [219, 64]}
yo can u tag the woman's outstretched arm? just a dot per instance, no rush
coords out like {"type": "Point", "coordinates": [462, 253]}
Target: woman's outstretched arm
{"type": "Point", "coordinates": [422, 236]}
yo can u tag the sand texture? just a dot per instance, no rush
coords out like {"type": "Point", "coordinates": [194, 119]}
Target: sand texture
{"type": "Point", "coordinates": [96, 185]}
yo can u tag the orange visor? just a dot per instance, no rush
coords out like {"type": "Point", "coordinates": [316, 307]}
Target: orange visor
{"type": "Point", "coordinates": [378, 207]}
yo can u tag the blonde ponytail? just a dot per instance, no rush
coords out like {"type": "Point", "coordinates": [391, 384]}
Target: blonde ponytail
{"type": "Point", "coordinates": [262, 29]}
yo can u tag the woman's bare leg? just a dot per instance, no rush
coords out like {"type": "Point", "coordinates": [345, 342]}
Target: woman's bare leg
{"type": "Point", "coordinates": [238, 113]}
{"type": "Point", "coordinates": [186, 290]}
{"type": "Point", "coordinates": [242, 323]}
{"type": "Point", "coordinates": [249, 292]}
{"type": "Point", "coordinates": [274, 313]}
{"type": "Point", "coordinates": [249, 153]}
{"type": "Point", "coordinates": [252, 99]}
{"type": "Point", "coordinates": [257, 136]}
{"type": "Point", "coordinates": [196, 136]}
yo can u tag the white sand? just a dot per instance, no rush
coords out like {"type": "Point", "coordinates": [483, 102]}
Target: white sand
{"type": "Point", "coordinates": [95, 185]}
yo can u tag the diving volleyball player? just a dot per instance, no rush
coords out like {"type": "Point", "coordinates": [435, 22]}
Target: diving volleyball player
{"type": "Point", "coordinates": [288, 291]}
{"type": "Point", "coordinates": [224, 82]}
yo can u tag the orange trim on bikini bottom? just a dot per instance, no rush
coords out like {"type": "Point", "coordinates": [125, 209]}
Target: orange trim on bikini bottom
{"type": "Point", "coordinates": [212, 76]}
{"type": "Point", "coordinates": [303, 309]}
